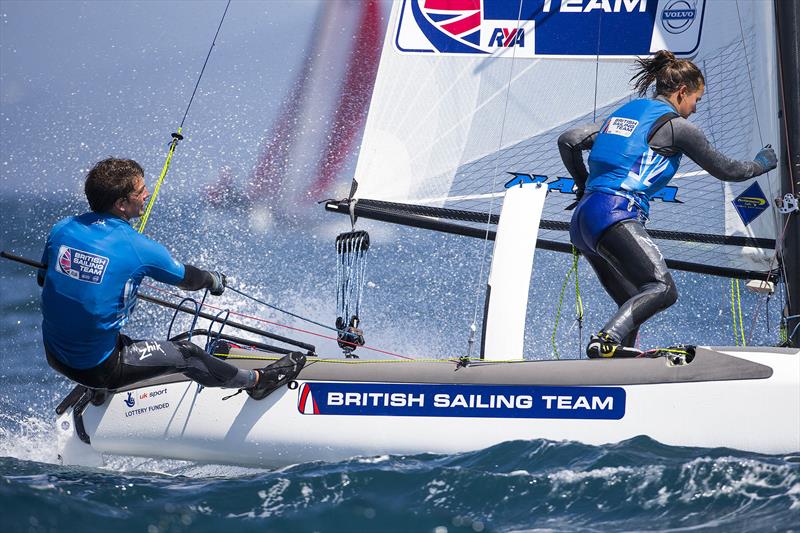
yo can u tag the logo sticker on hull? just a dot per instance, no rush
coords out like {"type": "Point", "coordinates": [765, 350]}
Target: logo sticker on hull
{"type": "Point", "coordinates": [475, 401]}
{"type": "Point", "coordinates": [145, 396]}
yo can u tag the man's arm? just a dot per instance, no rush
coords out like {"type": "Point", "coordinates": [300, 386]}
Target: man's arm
{"type": "Point", "coordinates": [161, 266]}
{"type": "Point", "coordinates": [195, 279]}
{"type": "Point", "coordinates": [571, 145]}
{"type": "Point", "coordinates": [42, 272]}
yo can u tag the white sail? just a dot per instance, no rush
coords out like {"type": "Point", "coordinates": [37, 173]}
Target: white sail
{"type": "Point", "coordinates": [470, 90]}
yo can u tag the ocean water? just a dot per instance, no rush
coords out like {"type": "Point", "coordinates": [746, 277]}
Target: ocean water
{"type": "Point", "coordinates": [422, 294]}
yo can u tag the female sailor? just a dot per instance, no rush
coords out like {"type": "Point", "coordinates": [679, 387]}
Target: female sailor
{"type": "Point", "coordinates": [634, 154]}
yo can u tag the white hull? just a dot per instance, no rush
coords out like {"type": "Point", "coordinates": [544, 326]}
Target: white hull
{"type": "Point", "coordinates": [761, 415]}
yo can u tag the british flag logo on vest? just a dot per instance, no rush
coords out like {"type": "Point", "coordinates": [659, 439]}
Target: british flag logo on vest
{"type": "Point", "coordinates": [80, 265]}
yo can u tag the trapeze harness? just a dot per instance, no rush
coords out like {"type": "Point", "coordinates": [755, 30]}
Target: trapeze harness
{"type": "Point", "coordinates": [95, 265]}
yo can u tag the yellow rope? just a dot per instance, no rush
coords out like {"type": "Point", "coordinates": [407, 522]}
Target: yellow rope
{"type": "Point", "coordinates": [733, 314]}
{"type": "Point", "coordinates": [739, 305]}
{"type": "Point", "coordinates": [578, 300]}
{"type": "Point", "coordinates": [670, 350]}
{"type": "Point", "coordinates": [176, 137]}
{"type": "Point", "coordinates": [736, 304]}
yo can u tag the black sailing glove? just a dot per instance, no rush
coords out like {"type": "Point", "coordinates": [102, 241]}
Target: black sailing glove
{"type": "Point", "coordinates": [218, 283]}
{"type": "Point", "coordinates": [766, 159]}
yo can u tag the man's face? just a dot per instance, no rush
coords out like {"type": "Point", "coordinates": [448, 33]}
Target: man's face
{"type": "Point", "coordinates": [133, 205]}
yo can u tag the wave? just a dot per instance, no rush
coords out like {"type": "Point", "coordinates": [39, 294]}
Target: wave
{"type": "Point", "coordinates": [534, 485]}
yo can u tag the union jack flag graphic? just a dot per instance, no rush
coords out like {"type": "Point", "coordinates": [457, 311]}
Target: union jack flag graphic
{"type": "Point", "coordinates": [65, 261]}
{"type": "Point", "coordinates": [450, 25]}
{"type": "Point", "coordinates": [459, 18]}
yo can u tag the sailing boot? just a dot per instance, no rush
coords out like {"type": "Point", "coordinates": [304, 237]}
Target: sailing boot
{"type": "Point", "coordinates": [605, 346]}
{"type": "Point", "coordinates": [277, 374]}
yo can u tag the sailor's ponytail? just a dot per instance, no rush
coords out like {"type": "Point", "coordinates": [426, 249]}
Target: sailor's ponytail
{"type": "Point", "coordinates": [668, 73]}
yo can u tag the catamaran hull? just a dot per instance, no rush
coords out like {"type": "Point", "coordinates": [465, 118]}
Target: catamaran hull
{"type": "Point", "coordinates": [315, 419]}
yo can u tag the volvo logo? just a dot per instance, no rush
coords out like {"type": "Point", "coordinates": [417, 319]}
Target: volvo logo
{"type": "Point", "coordinates": [678, 16]}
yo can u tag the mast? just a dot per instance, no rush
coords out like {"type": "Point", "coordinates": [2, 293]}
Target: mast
{"type": "Point", "coordinates": [788, 26]}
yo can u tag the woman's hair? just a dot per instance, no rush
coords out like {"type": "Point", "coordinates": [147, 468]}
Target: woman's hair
{"type": "Point", "coordinates": [667, 72]}
{"type": "Point", "coordinates": [110, 180]}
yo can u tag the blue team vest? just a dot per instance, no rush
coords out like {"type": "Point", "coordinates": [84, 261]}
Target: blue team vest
{"type": "Point", "coordinates": [95, 263]}
{"type": "Point", "coordinates": [622, 163]}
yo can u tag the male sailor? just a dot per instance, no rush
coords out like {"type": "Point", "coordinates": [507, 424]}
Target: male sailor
{"type": "Point", "coordinates": [633, 155]}
{"type": "Point", "coordinates": [94, 265]}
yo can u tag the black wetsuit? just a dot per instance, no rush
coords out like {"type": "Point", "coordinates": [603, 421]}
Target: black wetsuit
{"type": "Point", "coordinates": [135, 361]}
{"type": "Point", "coordinates": [628, 263]}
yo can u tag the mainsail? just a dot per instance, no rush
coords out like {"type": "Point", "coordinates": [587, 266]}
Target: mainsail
{"type": "Point", "coordinates": [469, 91]}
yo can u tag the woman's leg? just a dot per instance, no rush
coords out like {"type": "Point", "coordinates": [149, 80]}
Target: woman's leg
{"type": "Point", "coordinates": [628, 248]}
{"type": "Point", "coordinates": [620, 289]}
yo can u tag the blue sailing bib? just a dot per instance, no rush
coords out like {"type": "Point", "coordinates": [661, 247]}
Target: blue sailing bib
{"type": "Point", "coordinates": [95, 263]}
{"type": "Point", "coordinates": [621, 161]}
{"type": "Point", "coordinates": [594, 214]}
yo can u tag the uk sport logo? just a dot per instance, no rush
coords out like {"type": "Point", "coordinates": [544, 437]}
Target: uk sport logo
{"type": "Point", "coordinates": [548, 28]}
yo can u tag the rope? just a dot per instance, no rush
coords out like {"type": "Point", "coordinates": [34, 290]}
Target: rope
{"type": "Point", "coordinates": [177, 136]}
{"type": "Point", "coordinates": [597, 67]}
{"type": "Point", "coordinates": [351, 270]}
{"type": "Point", "coordinates": [448, 361]}
{"type": "Point", "coordinates": [578, 300]}
{"type": "Point", "coordinates": [478, 288]}
{"type": "Point", "coordinates": [237, 291]}
{"type": "Point", "coordinates": [578, 304]}
{"type": "Point", "coordinates": [779, 240]}
{"type": "Point", "coordinates": [278, 324]}
{"type": "Point", "coordinates": [574, 267]}
{"type": "Point", "coordinates": [736, 305]}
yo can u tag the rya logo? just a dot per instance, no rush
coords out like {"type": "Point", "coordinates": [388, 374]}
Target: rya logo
{"type": "Point", "coordinates": [508, 37]}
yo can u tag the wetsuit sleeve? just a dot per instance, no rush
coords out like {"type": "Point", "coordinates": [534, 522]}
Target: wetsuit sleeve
{"type": "Point", "coordinates": [195, 279]}
{"type": "Point", "coordinates": [571, 145]}
{"type": "Point", "coordinates": [681, 135]}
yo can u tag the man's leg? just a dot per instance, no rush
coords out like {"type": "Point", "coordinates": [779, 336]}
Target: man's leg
{"type": "Point", "coordinates": [142, 360]}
